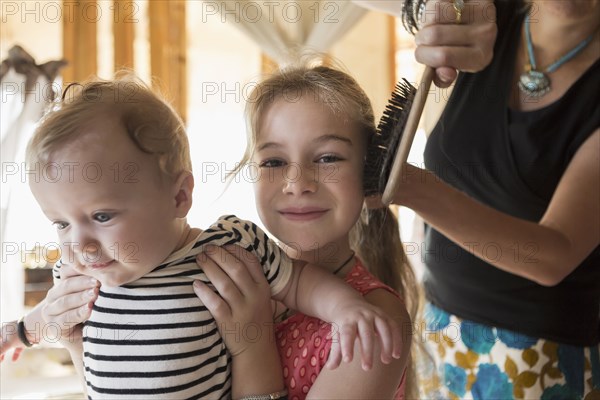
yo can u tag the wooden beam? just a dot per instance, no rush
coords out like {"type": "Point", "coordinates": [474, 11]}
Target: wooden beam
{"type": "Point", "coordinates": [168, 48]}
{"type": "Point", "coordinates": [123, 33]}
{"type": "Point", "coordinates": [393, 49]}
{"type": "Point", "coordinates": [267, 64]}
{"type": "Point", "coordinates": [80, 47]}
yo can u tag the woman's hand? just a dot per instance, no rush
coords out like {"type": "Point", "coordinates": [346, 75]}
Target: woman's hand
{"type": "Point", "coordinates": [447, 46]}
{"type": "Point", "coordinates": [66, 306]}
{"type": "Point", "coordinates": [10, 341]}
{"type": "Point", "coordinates": [442, 43]}
{"type": "Point", "coordinates": [69, 303]}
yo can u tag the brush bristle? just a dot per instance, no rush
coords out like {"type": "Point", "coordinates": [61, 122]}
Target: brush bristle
{"type": "Point", "coordinates": [384, 144]}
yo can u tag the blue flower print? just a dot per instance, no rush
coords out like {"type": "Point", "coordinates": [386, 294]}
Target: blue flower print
{"type": "Point", "coordinates": [436, 318]}
{"type": "Point", "coordinates": [595, 360]}
{"type": "Point", "coordinates": [455, 379]}
{"type": "Point", "coordinates": [491, 383]}
{"type": "Point", "coordinates": [515, 340]}
{"type": "Point", "coordinates": [559, 392]}
{"type": "Point", "coordinates": [570, 362]}
{"type": "Point", "coordinates": [477, 337]}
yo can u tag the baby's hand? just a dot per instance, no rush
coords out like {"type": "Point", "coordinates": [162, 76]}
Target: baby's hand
{"type": "Point", "coordinates": [359, 320]}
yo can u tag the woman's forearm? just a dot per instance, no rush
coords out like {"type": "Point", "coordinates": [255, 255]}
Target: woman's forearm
{"type": "Point", "coordinates": [536, 251]}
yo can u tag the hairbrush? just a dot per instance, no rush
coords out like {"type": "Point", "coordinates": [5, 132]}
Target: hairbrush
{"type": "Point", "coordinates": [388, 150]}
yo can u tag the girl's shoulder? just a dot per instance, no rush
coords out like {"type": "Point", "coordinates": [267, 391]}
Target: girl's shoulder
{"type": "Point", "coordinates": [364, 282]}
{"type": "Point", "coordinates": [377, 293]}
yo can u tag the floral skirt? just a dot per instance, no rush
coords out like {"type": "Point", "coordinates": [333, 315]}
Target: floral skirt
{"type": "Point", "coordinates": [475, 361]}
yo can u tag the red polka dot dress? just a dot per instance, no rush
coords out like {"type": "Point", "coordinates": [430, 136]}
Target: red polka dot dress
{"type": "Point", "coordinates": [303, 345]}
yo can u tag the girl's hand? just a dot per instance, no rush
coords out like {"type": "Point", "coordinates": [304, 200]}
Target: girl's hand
{"type": "Point", "coordinates": [242, 302]}
{"type": "Point", "coordinates": [69, 303]}
{"type": "Point", "coordinates": [447, 46]}
{"type": "Point", "coordinates": [10, 341]}
{"type": "Point", "coordinates": [242, 309]}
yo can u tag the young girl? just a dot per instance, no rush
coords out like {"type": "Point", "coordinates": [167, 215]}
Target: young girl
{"type": "Point", "coordinates": [308, 133]}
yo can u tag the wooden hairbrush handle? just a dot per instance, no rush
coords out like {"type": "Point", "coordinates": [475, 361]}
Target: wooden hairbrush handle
{"type": "Point", "coordinates": [412, 122]}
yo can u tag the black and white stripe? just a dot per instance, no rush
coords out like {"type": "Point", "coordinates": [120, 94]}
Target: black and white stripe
{"type": "Point", "coordinates": [153, 338]}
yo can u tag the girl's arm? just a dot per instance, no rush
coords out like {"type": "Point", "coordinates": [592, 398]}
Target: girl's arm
{"type": "Point", "coordinates": [243, 302]}
{"type": "Point", "coordinates": [350, 380]}
{"type": "Point", "coordinates": [545, 251]}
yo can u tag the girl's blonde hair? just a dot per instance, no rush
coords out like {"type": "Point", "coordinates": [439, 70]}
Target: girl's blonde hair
{"type": "Point", "coordinates": [376, 236]}
{"type": "Point", "coordinates": [150, 121]}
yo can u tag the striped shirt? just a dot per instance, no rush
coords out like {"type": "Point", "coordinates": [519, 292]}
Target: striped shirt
{"type": "Point", "coordinates": [153, 338]}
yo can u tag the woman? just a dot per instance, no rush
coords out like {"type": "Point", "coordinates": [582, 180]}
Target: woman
{"type": "Point", "coordinates": [511, 198]}
{"type": "Point", "coordinates": [68, 304]}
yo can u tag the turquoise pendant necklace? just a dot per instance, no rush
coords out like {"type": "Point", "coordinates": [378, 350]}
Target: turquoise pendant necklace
{"type": "Point", "coordinates": [536, 83]}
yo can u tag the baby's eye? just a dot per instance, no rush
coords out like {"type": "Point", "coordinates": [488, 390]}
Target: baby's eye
{"type": "Point", "coordinates": [60, 225]}
{"type": "Point", "coordinates": [271, 163]}
{"type": "Point", "coordinates": [328, 158]}
{"type": "Point", "coordinates": [102, 217]}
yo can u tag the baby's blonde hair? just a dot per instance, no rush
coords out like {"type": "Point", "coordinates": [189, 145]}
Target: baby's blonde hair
{"type": "Point", "coordinates": [150, 121]}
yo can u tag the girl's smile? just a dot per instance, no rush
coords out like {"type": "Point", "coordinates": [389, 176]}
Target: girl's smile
{"type": "Point", "coordinates": [303, 213]}
{"type": "Point", "coordinates": [310, 193]}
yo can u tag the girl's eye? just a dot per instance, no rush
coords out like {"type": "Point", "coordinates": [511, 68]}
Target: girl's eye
{"type": "Point", "coordinates": [102, 217]}
{"type": "Point", "coordinates": [60, 225]}
{"type": "Point", "coordinates": [272, 163]}
{"type": "Point", "coordinates": [328, 158]}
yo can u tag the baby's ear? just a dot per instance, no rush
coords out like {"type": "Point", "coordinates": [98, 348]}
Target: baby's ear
{"type": "Point", "coordinates": [184, 187]}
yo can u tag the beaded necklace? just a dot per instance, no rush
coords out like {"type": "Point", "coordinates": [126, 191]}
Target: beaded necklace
{"type": "Point", "coordinates": [536, 83]}
{"type": "Point", "coordinates": [344, 264]}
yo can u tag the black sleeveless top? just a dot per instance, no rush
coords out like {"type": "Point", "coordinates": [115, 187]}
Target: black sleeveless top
{"type": "Point", "coordinates": [511, 161]}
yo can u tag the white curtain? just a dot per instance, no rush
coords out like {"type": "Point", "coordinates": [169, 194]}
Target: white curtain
{"type": "Point", "coordinates": [284, 28]}
{"type": "Point", "coordinates": [26, 88]}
